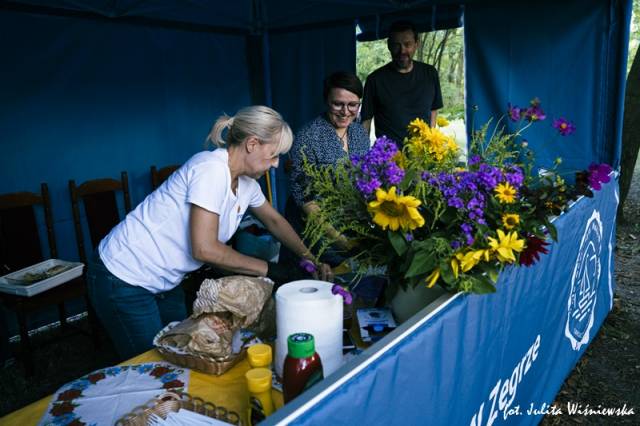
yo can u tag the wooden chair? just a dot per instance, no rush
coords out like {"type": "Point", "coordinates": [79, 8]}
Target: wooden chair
{"type": "Point", "coordinates": [20, 247]}
{"type": "Point", "coordinates": [100, 206]}
{"type": "Point", "coordinates": [159, 176]}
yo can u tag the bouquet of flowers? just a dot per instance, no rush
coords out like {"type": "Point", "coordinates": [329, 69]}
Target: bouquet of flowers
{"type": "Point", "coordinates": [434, 220]}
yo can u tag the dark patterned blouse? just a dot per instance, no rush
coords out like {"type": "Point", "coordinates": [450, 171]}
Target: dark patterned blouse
{"type": "Point", "coordinates": [322, 146]}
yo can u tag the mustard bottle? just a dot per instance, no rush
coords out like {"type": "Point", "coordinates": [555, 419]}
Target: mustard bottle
{"type": "Point", "coordinates": [260, 401]}
{"type": "Point", "coordinates": [259, 355]}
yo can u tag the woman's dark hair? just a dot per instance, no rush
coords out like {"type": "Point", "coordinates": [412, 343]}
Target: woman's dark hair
{"type": "Point", "coordinates": [342, 80]}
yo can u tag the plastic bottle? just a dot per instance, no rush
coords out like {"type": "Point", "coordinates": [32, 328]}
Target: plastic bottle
{"type": "Point", "coordinates": [259, 355]}
{"type": "Point", "coordinates": [260, 401]}
{"type": "Point", "coordinates": [302, 366]}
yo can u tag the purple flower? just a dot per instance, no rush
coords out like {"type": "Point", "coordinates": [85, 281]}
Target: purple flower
{"type": "Point", "coordinates": [598, 173]}
{"type": "Point", "coordinates": [308, 266]}
{"type": "Point", "coordinates": [514, 112]}
{"type": "Point", "coordinates": [408, 237]}
{"type": "Point", "coordinates": [534, 113]}
{"type": "Point", "coordinates": [339, 290]}
{"type": "Point", "coordinates": [475, 159]}
{"type": "Point", "coordinates": [514, 176]}
{"type": "Point", "coordinates": [455, 202]}
{"type": "Point", "coordinates": [377, 168]}
{"type": "Point", "coordinates": [564, 126]}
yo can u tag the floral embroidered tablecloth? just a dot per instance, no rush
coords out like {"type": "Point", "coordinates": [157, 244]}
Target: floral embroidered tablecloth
{"type": "Point", "coordinates": [104, 396]}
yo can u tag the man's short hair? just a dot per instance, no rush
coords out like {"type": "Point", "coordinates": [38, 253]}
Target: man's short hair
{"type": "Point", "coordinates": [402, 26]}
{"type": "Point", "coordinates": [342, 80]}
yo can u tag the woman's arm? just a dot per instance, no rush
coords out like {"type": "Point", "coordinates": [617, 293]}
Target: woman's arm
{"type": "Point", "coordinates": [282, 230]}
{"type": "Point", "coordinates": [205, 247]}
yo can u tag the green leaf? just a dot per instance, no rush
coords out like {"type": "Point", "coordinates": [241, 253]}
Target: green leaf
{"type": "Point", "coordinates": [482, 285]}
{"type": "Point", "coordinates": [493, 274]}
{"type": "Point", "coordinates": [422, 263]}
{"type": "Point", "coordinates": [446, 272]}
{"type": "Point", "coordinates": [398, 242]}
{"type": "Point", "coordinates": [408, 179]}
{"type": "Point", "coordinates": [553, 232]}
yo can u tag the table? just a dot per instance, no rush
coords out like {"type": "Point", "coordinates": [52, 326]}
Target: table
{"type": "Point", "coordinates": [228, 390]}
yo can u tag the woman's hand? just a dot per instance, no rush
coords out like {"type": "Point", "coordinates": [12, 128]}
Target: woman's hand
{"type": "Point", "coordinates": [325, 273]}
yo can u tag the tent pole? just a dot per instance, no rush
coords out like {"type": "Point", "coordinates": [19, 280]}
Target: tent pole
{"type": "Point", "coordinates": [266, 73]}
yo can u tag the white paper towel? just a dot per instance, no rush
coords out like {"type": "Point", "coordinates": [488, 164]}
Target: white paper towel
{"type": "Point", "coordinates": [308, 306]}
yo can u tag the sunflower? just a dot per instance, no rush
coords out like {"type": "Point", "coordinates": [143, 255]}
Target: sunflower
{"type": "Point", "coordinates": [441, 121]}
{"type": "Point", "coordinates": [393, 211]}
{"type": "Point", "coordinates": [418, 127]}
{"type": "Point", "coordinates": [505, 245]}
{"type": "Point", "coordinates": [430, 142]}
{"type": "Point", "coordinates": [510, 220]}
{"type": "Point", "coordinates": [506, 193]}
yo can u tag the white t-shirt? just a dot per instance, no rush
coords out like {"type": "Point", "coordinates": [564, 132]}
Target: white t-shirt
{"type": "Point", "coordinates": [151, 247]}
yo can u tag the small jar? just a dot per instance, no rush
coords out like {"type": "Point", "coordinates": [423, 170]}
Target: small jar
{"type": "Point", "coordinates": [260, 401]}
{"type": "Point", "coordinates": [259, 355]}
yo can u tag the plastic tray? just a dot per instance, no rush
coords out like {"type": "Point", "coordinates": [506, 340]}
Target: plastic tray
{"type": "Point", "coordinates": [13, 283]}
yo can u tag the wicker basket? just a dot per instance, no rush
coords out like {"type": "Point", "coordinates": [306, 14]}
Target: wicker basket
{"type": "Point", "coordinates": [172, 401]}
{"type": "Point", "coordinates": [199, 362]}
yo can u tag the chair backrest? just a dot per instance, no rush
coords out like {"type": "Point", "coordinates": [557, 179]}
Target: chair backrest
{"type": "Point", "coordinates": [100, 206]}
{"type": "Point", "coordinates": [19, 236]}
{"type": "Point", "coordinates": [160, 175]}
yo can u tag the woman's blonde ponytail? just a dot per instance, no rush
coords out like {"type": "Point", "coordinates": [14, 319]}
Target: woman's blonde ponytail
{"type": "Point", "coordinates": [259, 121]}
{"type": "Point", "coordinates": [215, 136]}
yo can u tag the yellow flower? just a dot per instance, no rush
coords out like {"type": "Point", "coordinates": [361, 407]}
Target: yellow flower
{"type": "Point", "coordinates": [433, 278]}
{"type": "Point", "coordinates": [418, 127]}
{"type": "Point", "coordinates": [510, 220]}
{"type": "Point", "coordinates": [441, 121]}
{"type": "Point", "coordinates": [505, 245]}
{"type": "Point", "coordinates": [428, 141]}
{"type": "Point", "coordinates": [455, 266]}
{"type": "Point", "coordinates": [506, 193]}
{"type": "Point", "coordinates": [395, 211]}
{"type": "Point", "coordinates": [471, 258]}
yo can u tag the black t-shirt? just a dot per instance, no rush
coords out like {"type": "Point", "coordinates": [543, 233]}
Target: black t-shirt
{"type": "Point", "coordinates": [394, 99]}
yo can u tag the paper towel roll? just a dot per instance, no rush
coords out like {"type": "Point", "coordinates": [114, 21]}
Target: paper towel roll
{"type": "Point", "coordinates": [308, 306]}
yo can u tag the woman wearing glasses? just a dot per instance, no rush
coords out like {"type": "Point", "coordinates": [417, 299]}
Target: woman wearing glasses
{"type": "Point", "coordinates": [327, 139]}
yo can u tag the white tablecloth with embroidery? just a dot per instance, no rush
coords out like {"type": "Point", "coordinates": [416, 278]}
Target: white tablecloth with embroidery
{"type": "Point", "coordinates": [104, 396]}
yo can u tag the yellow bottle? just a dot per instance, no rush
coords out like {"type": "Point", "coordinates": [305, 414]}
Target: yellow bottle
{"type": "Point", "coordinates": [260, 401]}
{"type": "Point", "coordinates": [259, 355]}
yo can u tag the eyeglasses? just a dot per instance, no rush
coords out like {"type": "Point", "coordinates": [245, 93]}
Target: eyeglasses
{"type": "Point", "coordinates": [351, 106]}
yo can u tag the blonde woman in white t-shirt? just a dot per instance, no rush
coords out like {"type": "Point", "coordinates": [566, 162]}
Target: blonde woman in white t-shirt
{"type": "Point", "coordinates": [134, 278]}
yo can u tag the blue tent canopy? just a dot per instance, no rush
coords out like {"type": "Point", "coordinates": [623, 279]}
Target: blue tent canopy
{"type": "Point", "coordinates": [93, 87]}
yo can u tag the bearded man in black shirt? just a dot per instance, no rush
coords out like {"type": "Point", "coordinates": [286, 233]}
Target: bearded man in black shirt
{"type": "Point", "coordinates": [401, 90]}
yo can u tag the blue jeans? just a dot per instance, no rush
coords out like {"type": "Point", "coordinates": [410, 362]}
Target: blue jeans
{"type": "Point", "coordinates": [131, 315]}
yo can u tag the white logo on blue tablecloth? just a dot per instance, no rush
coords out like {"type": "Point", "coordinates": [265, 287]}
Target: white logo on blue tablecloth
{"type": "Point", "coordinates": [584, 284]}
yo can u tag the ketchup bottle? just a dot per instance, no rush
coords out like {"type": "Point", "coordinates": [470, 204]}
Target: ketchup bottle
{"type": "Point", "coordinates": [302, 366]}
